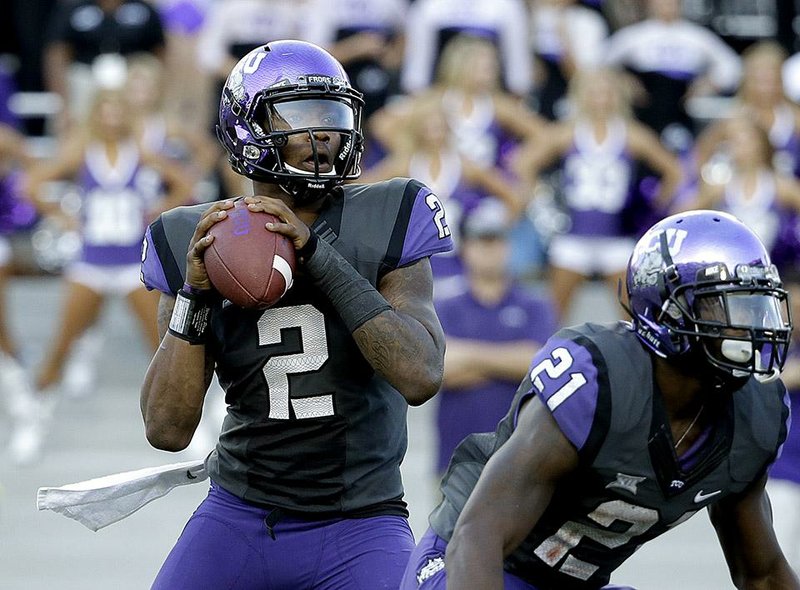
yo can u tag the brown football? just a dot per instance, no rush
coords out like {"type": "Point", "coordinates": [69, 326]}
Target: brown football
{"type": "Point", "coordinates": [248, 264]}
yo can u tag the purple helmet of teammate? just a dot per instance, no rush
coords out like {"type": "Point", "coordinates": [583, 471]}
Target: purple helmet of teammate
{"type": "Point", "coordinates": [702, 282]}
{"type": "Point", "coordinates": [285, 89]}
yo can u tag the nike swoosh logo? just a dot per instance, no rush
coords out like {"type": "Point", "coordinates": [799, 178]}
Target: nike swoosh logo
{"type": "Point", "coordinates": [700, 496]}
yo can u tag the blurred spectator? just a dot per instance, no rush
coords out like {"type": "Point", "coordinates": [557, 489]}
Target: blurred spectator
{"type": "Point", "coordinates": [493, 328]}
{"type": "Point", "coordinates": [673, 59]}
{"type": "Point", "coordinates": [431, 23]}
{"type": "Point", "coordinates": [161, 133]}
{"type": "Point", "coordinates": [426, 150]}
{"type": "Point", "coordinates": [366, 36]}
{"type": "Point", "coordinates": [8, 87]}
{"type": "Point", "coordinates": [791, 77]}
{"type": "Point", "coordinates": [783, 485]}
{"type": "Point", "coordinates": [81, 31]}
{"type": "Point", "coordinates": [232, 28]}
{"type": "Point", "coordinates": [187, 86]}
{"type": "Point", "coordinates": [121, 194]}
{"type": "Point", "coordinates": [14, 385]}
{"type": "Point", "coordinates": [487, 123]}
{"type": "Point", "coordinates": [566, 37]}
{"type": "Point", "coordinates": [761, 98]}
{"type": "Point", "coordinates": [750, 188]}
{"type": "Point", "coordinates": [598, 149]}
{"type": "Point", "coordinates": [26, 18]}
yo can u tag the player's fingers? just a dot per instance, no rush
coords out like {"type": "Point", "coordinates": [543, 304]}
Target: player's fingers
{"type": "Point", "coordinates": [298, 233]}
{"type": "Point", "coordinates": [200, 246]}
{"type": "Point", "coordinates": [214, 214]}
{"type": "Point", "coordinates": [275, 207]}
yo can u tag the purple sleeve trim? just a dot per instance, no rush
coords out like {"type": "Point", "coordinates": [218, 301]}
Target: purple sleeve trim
{"type": "Point", "coordinates": [427, 232]}
{"type": "Point", "coordinates": [152, 274]}
{"type": "Point", "coordinates": [788, 403]}
{"type": "Point", "coordinates": [564, 377]}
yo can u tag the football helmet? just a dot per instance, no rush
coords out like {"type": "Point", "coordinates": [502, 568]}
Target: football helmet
{"type": "Point", "coordinates": [702, 282]}
{"type": "Point", "coordinates": [285, 89]}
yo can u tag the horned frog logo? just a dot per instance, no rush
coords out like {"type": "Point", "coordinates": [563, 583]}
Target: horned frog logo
{"type": "Point", "coordinates": [650, 258]}
{"type": "Point", "coordinates": [236, 86]}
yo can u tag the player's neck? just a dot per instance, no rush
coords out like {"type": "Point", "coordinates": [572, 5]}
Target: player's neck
{"type": "Point", "coordinates": [682, 393]}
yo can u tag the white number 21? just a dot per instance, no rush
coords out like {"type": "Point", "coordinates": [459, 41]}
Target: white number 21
{"type": "Point", "coordinates": [554, 367]}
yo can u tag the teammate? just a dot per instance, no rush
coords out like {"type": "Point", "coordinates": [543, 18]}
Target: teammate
{"type": "Point", "coordinates": [621, 431]}
{"type": "Point", "coordinates": [306, 489]}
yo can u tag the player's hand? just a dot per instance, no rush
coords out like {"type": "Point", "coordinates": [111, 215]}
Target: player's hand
{"type": "Point", "coordinates": [196, 274]}
{"type": "Point", "coordinates": [291, 226]}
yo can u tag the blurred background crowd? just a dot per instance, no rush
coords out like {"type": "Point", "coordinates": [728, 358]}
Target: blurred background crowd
{"type": "Point", "coordinates": [554, 131]}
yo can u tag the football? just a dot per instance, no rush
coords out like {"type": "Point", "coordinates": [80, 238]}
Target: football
{"type": "Point", "coordinates": [248, 264]}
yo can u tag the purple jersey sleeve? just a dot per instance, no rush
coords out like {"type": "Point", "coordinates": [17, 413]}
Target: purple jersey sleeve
{"type": "Point", "coordinates": [564, 377]}
{"type": "Point", "coordinates": [427, 232]}
{"type": "Point", "coordinates": [153, 275]}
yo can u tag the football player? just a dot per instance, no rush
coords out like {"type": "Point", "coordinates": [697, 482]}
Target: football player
{"type": "Point", "coordinates": [306, 489]}
{"type": "Point", "coordinates": [621, 431]}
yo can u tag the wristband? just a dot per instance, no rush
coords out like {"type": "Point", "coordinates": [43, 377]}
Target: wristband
{"type": "Point", "coordinates": [352, 295]}
{"type": "Point", "coordinates": [187, 288]}
{"type": "Point", "coordinates": [308, 249]}
{"type": "Point", "coordinates": [190, 317]}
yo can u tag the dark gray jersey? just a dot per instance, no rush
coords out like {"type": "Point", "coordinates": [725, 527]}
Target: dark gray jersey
{"type": "Point", "coordinates": [310, 426]}
{"type": "Point", "coordinates": [597, 382]}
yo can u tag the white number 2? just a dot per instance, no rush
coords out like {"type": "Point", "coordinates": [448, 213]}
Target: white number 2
{"type": "Point", "coordinates": [435, 205]}
{"type": "Point", "coordinates": [553, 549]}
{"type": "Point", "coordinates": [314, 342]}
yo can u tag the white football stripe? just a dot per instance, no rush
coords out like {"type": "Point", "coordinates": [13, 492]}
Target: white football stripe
{"type": "Point", "coordinates": [279, 263]}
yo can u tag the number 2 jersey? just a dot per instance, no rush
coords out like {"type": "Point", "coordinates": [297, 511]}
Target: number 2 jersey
{"type": "Point", "coordinates": [597, 382]}
{"type": "Point", "coordinates": [310, 426]}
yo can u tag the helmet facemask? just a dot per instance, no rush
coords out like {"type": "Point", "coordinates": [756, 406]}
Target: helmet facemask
{"type": "Point", "coordinates": [740, 320]}
{"type": "Point", "coordinates": [325, 113]}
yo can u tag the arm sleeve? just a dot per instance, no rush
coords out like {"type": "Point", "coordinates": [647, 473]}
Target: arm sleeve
{"type": "Point", "coordinates": [588, 37]}
{"type": "Point", "coordinates": [566, 379]}
{"type": "Point", "coordinates": [422, 32]}
{"type": "Point", "coordinates": [164, 249]}
{"type": "Point", "coordinates": [421, 227]}
{"type": "Point", "coordinates": [516, 55]}
{"type": "Point", "coordinates": [724, 65]}
{"type": "Point", "coordinates": [212, 43]}
{"type": "Point", "coordinates": [618, 46]}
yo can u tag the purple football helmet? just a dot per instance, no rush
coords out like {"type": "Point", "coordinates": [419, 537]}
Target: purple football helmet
{"type": "Point", "coordinates": [702, 281]}
{"type": "Point", "coordinates": [285, 89]}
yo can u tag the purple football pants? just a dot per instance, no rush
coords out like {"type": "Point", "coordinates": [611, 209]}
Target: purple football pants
{"type": "Point", "coordinates": [228, 545]}
{"type": "Point", "coordinates": [426, 568]}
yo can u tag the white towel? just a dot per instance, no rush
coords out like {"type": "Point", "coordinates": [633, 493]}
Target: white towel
{"type": "Point", "coordinates": [96, 503]}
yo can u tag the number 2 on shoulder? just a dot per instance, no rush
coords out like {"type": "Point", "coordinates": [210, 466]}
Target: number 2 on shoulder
{"type": "Point", "coordinates": [554, 367]}
{"type": "Point", "coordinates": [435, 205]}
